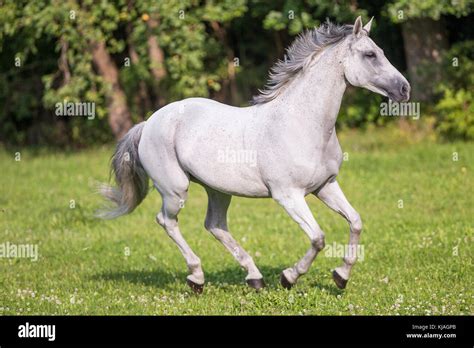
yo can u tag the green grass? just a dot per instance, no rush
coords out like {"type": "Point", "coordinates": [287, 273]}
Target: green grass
{"type": "Point", "coordinates": [410, 264]}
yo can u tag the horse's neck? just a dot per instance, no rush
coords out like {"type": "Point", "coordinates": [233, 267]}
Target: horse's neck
{"type": "Point", "coordinates": [314, 98]}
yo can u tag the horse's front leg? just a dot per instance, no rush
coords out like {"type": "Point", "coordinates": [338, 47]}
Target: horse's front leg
{"type": "Point", "coordinates": [332, 195]}
{"type": "Point", "coordinates": [295, 205]}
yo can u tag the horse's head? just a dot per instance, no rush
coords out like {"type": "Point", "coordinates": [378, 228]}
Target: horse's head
{"type": "Point", "coordinates": [365, 65]}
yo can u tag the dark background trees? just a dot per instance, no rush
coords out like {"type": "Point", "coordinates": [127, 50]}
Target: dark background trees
{"type": "Point", "coordinates": [131, 57]}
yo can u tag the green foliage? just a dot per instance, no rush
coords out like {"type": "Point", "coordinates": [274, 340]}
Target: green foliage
{"type": "Point", "coordinates": [456, 106]}
{"type": "Point", "coordinates": [195, 61]}
{"type": "Point", "coordinates": [223, 10]}
{"type": "Point", "coordinates": [52, 40]}
{"type": "Point", "coordinates": [299, 15]}
{"type": "Point", "coordinates": [401, 10]}
{"type": "Point", "coordinates": [73, 26]}
{"type": "Point", "coordinates": [456, 111]}
{"type": "Point", "coordinates": [360, 108]}
{"type": "Point", "coordinates": [458, 66]}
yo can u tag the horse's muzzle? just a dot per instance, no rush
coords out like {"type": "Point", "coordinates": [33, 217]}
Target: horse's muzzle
{"type": "Point", "coordinates": [400, 92]}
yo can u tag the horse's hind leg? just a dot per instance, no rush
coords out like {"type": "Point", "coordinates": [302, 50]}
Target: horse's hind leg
{"type": "Point", "coordinates": [168, 218]}
{"type": "Point", "coordinates": [173, 189]}
{"type": "Point", "coordinates": [216, 223]}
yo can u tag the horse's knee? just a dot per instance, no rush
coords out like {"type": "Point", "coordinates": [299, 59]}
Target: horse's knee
{"type": "Point", "coordinates": [169, 224]}
{"type": "Point", "coordinates": [318, 242]}
{"type": "Point", "coordinates": [356, 224]}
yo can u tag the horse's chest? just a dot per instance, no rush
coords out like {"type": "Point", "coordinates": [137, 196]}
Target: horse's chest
{"type": "Point", "coordinates": [306, 167]}
{"type": "Point", "coordinates": [325, 167]}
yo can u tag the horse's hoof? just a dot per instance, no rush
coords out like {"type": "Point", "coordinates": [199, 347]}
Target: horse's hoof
{"type": "Point", "coordinates": [257, 284]}
{"type": "Point", "coordinates": [340, 282]}
{"type": "Point", "coordinates": [284, 282]}
{"type": "Point", "coordinates": [197, 288]}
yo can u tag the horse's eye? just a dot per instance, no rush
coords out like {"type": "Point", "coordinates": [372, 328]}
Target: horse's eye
{"type": "Point", "coordinates": [370, 54]}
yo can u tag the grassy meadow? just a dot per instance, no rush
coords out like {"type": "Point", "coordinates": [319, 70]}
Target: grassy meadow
{"type": "Point", "coordinates": [416, 203]}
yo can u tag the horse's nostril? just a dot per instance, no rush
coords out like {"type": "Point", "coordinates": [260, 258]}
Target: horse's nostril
{"type": "Point", "coordinates": [404, 89]}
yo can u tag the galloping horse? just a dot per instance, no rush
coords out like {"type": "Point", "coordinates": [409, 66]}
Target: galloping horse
{"type": "Point", "coordinates": [291, 130]}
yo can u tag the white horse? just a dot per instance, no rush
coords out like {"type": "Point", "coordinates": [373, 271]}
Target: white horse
{"type": "Point", "coordinates": [289, 132]}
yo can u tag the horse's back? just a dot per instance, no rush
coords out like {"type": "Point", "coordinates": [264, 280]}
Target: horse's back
{"type": "Point", "coordinates": [195, 109]}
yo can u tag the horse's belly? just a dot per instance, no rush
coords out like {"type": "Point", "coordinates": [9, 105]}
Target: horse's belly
{"type": "Point", "coordinates": [231, 182]}
{"type": "Point", "coordinates": [226, 170]}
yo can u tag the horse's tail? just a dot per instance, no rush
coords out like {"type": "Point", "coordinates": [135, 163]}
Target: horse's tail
{"type": "Point", "coordinates": [130, 177]}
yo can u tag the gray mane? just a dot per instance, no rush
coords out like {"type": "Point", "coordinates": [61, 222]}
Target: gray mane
{"type": "Point", "coordinates": [298, 55]}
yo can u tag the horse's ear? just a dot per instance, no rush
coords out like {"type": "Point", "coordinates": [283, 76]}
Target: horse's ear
{"type": "Point", "coordinates": [357, 26]}
{"type": "Point", "coordinates": [368, 25]}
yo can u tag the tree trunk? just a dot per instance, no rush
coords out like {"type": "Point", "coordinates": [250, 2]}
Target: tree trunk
{"type": "Point", "coordinates": [155, 52]}
{"type": "Point", "coordinates": [142, 98]}
{"type": "Point", "coordinates": [157, 59]}
{"type": "Point", "coordinates": [63, 62]}
{"type": "Point", "coordinates": [424, 41]}
{"type": "Point", "coordinates": [230, 83]}
{"type": "Point", "coordinates": [120, 120]}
